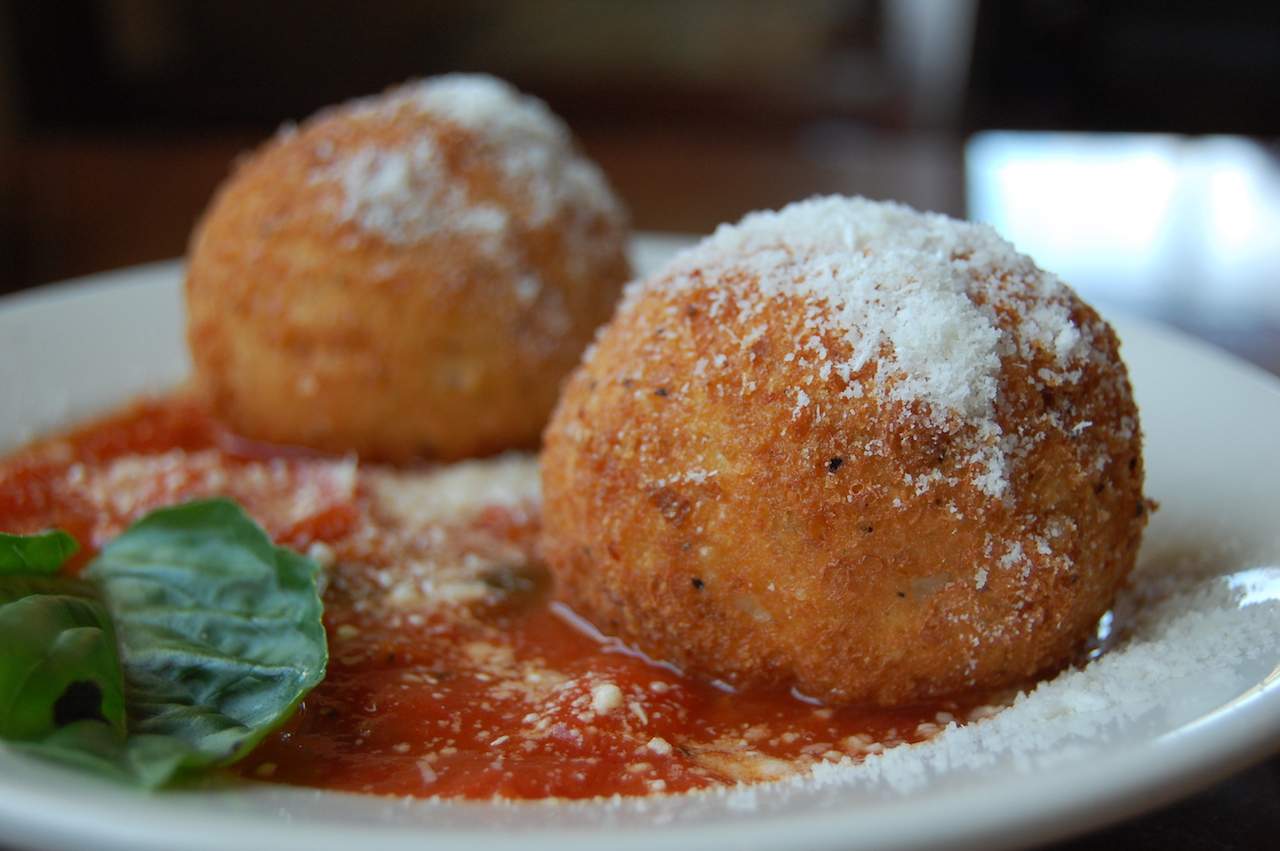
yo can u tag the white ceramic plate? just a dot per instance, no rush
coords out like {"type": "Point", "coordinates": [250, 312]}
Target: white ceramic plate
{"type": "Point", "coordinates": [1213, 458]}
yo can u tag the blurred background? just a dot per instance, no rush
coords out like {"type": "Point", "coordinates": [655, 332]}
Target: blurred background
{"type": "Point", "coordinates": [1130, 147]}
{"type": "Point", "coordinates": [1134, 148]}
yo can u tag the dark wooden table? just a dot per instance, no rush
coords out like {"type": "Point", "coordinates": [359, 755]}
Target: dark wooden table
{"type": "Point", "coordinates": [72, 206]}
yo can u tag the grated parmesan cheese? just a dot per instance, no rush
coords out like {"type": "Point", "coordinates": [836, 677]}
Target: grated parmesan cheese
{"type": "Point", "coordinates": [923, 301]}
{"type": "Point", "coordinates": [605, 698]}
{"type": "Point", "coordinates": [1200, 624]}
{"type": "Point", "coordinates": [659, 746]}
{"type": "Point", "coordinates": [407, 195]}
{"type": "Point", "coordinates": [1190, 626]}
{"type": "Point", "coordinates": [408, 191]}
{"type": "Point", "coordinates": [453, 493]}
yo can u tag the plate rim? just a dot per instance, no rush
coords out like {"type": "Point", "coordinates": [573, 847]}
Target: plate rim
{"type": "Point", "coordinates": [1184, 765]}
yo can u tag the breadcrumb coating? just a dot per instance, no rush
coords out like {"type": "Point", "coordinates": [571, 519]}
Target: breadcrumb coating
{"type": "Point", "coordinates": [871, 454]}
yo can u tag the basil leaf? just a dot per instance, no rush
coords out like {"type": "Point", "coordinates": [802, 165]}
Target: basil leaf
{"type": "Point", "coordinates": [205, 639]}
{"type": "Point", "coordinates": [58, 661]}
{"type": "Point", "coordinates": [40, 554]}
{"type": "Point", "coordinates": [147, 761]}
{"type": "Point", "coordinates": [219, 629]}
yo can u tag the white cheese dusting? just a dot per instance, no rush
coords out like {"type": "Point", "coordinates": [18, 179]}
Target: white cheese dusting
{"type": "Point", "coordinates": [605, 698]}
{"type": "Point", "coordinates": [409, 191]}
{"type": "Point", "coordinates": [1190, 627]}
{"type": "Point", "coordinates": [929, 308]}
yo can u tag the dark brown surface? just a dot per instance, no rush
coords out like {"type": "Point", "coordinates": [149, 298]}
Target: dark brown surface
{"type": "Point", "coordinates": [1238, 813]}
{"type": "Point", "coordinates": [84, 204]}
{"type": "Point", "coordinates": [74, 205]}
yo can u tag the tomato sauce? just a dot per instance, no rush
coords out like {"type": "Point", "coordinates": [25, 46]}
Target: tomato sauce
{"type": "Point", "coordinates": [453, 672]}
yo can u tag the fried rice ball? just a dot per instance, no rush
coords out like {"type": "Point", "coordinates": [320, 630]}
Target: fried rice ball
{"type": "Point", "coordinates": [870, 454]}
{"type": "Point", "coordinates": [407, 275]}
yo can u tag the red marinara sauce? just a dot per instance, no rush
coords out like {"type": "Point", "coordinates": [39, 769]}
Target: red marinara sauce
{"type": "Point", "coordinates": [453, 672]}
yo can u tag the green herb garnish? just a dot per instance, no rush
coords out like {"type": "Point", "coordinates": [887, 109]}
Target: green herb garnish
{"type": "Point", "coordinates": [35, 555]}
{"type": "Point", "coordinates": [193, 638]}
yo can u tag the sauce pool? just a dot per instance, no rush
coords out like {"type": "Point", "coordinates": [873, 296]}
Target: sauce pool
{"type": "Point", "coordinates": [452, 670]}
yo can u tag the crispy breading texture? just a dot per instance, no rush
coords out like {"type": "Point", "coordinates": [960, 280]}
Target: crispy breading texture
{"type": "Point", "coordinates": [410, 275]}
{"type": "Point", "coordinates": [702, 508]}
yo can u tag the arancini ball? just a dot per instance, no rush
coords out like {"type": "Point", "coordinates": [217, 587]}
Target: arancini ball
{"type": "Point", "coordinates": [410, 275]}
{"type": "Point", "coordinates": [873, 455]}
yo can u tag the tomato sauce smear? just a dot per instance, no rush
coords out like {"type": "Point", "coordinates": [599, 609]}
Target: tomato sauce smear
{"type": "Point", "coordinates": [453, 672]}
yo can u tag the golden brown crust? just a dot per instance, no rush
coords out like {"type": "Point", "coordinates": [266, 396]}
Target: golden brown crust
{"type": "Point", "coordinates": [307, 326]}
{"type": "Point", "coordinates": [702, 516]}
